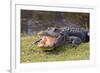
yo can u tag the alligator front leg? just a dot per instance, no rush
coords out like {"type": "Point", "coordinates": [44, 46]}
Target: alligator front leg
{"type": "Point", "coordinates": [75, 41]}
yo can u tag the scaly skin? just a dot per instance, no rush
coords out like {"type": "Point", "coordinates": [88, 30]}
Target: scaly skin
{"type": "Point", "coordinates": [54, 37]}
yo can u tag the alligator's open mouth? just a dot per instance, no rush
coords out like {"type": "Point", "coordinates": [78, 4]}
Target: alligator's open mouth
{"type": "Point", "coordinates": [46, 40]}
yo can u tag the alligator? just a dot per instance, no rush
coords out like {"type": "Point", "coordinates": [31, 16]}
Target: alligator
{"type": "Point", "coordinates": [54, 37]}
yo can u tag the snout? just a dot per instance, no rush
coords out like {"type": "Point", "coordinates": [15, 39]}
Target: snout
{"type": "Point", "coordinates": [41, 33]}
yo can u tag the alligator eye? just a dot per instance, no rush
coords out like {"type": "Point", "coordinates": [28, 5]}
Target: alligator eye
{"type": "Point", "coordinates": [55, 29]}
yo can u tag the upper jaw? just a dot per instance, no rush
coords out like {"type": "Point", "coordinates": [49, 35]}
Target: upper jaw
{"type": "Point", "coordinates": [48, 33]}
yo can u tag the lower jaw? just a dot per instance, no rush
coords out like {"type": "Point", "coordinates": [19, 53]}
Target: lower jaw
{"type": "Point", "coordinates": [45, 46]}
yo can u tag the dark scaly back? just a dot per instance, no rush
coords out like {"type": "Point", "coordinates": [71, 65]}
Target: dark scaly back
{"type": "Point", "coordinates": [77, 31]}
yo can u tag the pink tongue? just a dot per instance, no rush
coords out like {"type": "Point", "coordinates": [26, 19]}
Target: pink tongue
{"type": "Point", "coordinates": [47, 41]}
{"type": "Point", "coordinates": [50, 41]}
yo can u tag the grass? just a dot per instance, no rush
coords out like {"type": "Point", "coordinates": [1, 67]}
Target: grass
{"type": "Point", "coordinates": [31, 53]}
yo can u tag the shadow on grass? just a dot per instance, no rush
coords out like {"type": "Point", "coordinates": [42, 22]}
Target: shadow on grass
{"type": "Point", "coordinates": [53, 51]}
